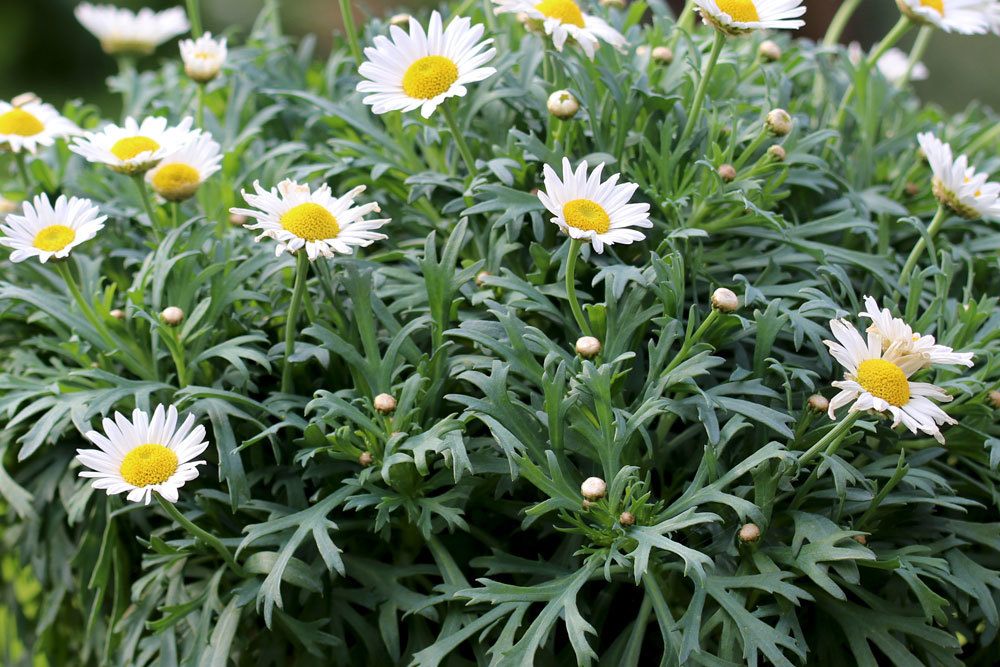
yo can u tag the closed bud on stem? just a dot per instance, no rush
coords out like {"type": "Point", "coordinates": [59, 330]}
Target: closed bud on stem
{"type": "Point", "coordinates": [563, 104]}
{"type": "Point", "coordinates": [911, 189]}
{"type": "Point", "coordinates": [662, 55]}
{"type": "Point", "coordinates": [7, 206]}
{"type": "Point", "coordinates": [995, 399]}
{"type": "Point", "coordinates": [593, 488]}
{"type": "Point", "coordinates": [588, 347]}
{"type": "Point", "coordinates": [727, 172]}
{"type": "Point", "coordinates": [860, 539]}
{"type": "Point", "coordinates": [481, 278]}
{"type": "Point", "coordinates": [118, 314]}
{"type": "Point", "coordinates": [172, 316]}
{"type": "Point", "coordinates": [779, 122]}
{"type": "Point", "coordinates": [725, 300]}
{"type": "Point", "coordinates": [777, 153]}
{"type": "Point", "coordinates": [749, 533]}
{"type": "Point", "coordinates": [365, 459]}
{"type": "Point", "coordinates": [818, 403]}
{"type": "Point", "coordinates": [24, 98]}
{"type": "Point", "coordinates": [237, 219]}
{"type": "Point", "coordinates": [642, 51]}
{"type": "Point", "coordinates": [769, 51]}
{"type": "Point", "coordinates": [385, 403]}
{"type": "Point", "coordinates": [626, 519]}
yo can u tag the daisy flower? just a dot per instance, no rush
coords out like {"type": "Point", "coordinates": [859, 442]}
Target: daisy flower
{"type": "Point", "coordinates": [562, 20]}
{"type": "Point", "coordinates": [966, 17]}
{"type": "Point", "coordinates": [880, 380]}
{"type": "Point", "coordinates": [180, 174]}
{"type": "Point", "coordinates": [26, 127]}
{"type": "Point", "coordinates": [298, 218]}
{"type": "Point", "coordinates": [591, 210]}
{"type": "Point", "coordinates": [144, 455]}
{"type": "Point", "coordinates": [736, 17]}
{"type": "Point", "coordinates": [135, 148]}
{"type": "Point", "coordinates": [44, 231]}
{"type": "Point", "coordinates": [899, 338]}
{"type": "Point", "coordinates": [203, 57]}
{"type": "Point", "coordinates": [123, 32]}
{"type": "Point", "coordinates": [419, 69]}
{"type": "Point", "coordinates": [957, 185]}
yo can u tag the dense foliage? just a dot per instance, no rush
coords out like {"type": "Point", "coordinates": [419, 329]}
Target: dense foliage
{"type": "Point", "coordinates": [466, 539]}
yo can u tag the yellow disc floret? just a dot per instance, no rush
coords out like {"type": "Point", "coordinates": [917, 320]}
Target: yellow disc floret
{"type": "Point", "coordinates": [587, 215]}
{"type": "Point", "coordinates": [21, 123]}
{"type": "Point", "coordinates": [566, 11]}
{"type": "Point", "coordinates": [311, 222]}
{"type": "Point", "coordinates": [54, 238]}
{"type": "Point", "coordinates": [936, 5]}
{"type": "Point", "coordinates": [176, 181]}
{"type": "Point", "coordinates": [148, 464]}
{"type": "Point", "coordinates": [429, 76]}
{"type": "Point", "coordinates": [884, 379]}
{"type": "Point", "coordinates": [743, 11]}
{"type": "Point", "coordinates": [129, 147]}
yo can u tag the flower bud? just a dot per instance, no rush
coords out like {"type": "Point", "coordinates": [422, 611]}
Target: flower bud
{"type": "Point", "coordinates": [860, 539]}
{"type": "Point", "coordinates": [385, 403]}
{"type": "Point", "coordinates": [481, 278]}
{"type": "Point", "coordinates": [203, 57]}
{"type": "Point", "coordinates": [995, 399]}
{"type": "Point", "coordinates": [818, 403]}
{"type": "Point", "coordinates": [779, 122]}
{"type": "Point", "coordinates": [237, 219]}
{"type": "Point", "coordinates": [7, 206]}
{"type": "Point", "coordinates": [563, 105]}
{"type": "Point", "coordinates": [769, 51]}
{"type": "Point", "coordinates": [727, 172]}
{"type": "Point", "coordinates": [626, 519]}
{"type": "Point", "coordinates": [24, 98]}
{"type": "Point", "coordinates": [593, 488]}
{"type": "Point", "coordinates": [749, 533]}
{"type": "Point", "coordinates": [365, 459]}
{"type": "Point", "coordinates": [662, 55]}
{"type": "Point", "coordinates": [401, 20]}
{"type": "Point", "coordinates": [172, 316]}
{"type": "Point", "coordinates": [118, 314]}
{"type": "Point", "coordinates": [911, 189]}
{"type": "Point", "coordinates": [777, 153]}
{"type": "Point", "coordinates": [725, 300]}
{"type": "Point", "coordinates": [642, 51]}
{"type": "Point", "coordinates": [588, 347]}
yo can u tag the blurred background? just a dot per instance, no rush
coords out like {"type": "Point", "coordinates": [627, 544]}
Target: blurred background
{"type": "Point", "coordinates": [44, 49]}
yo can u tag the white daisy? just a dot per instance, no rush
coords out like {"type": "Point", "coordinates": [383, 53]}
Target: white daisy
{"type": "Point", "coordinates": [740, 16]}
{"type": "Point", "coordinates": [424, 69]}
{"type": "Point", "coordinates": [180, 174]}
{"type": "Point", "coordinates": [957, 185]}
{"type": "Point", "coordinates": [44, 231]}
{"type": "Point", "coordinates": [899, 338]}
{"type": "Point", "coordinates": [892, 65]}
{"type": "Point", "coordinates": [991, 12]}
{"type": "Point", "coordinates": [587, 209]}
{"type": "Point", "coordinates": [879, 380]}
{"type": "Point", "coordinates": [123, 32]}
{"type": "Point", "coordinates": [203, 57]}
{"type": "Point", "coordinates": [966, 17]}
{"type": "Point", "coordinates": [144, 455]}
{"type": "Point", "coordinates": [26, 127]}
{"type": "Point", "coordinates": [299, 218]}
{"type": "Point", "coordinates": [562, 20]}
{"type": "Point", "coordinates": [134, 148]}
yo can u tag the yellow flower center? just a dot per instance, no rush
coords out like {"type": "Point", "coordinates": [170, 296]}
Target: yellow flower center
{"type": "Point", "coordinates": [936, 5]}
{"type": "Point", "coordinates": [429, 76]}
{"type": "Point", "coordinates": [586, 214]}
{"type": "Point", "coordinates": [884, 380]}
{"type": "Point", "coordinates": [739, 10]}
{"type": "Point", "coordinates": [176, 181]}
{"type": "Point", "coordinates": [566, 11]}
{"type": "Point", "coordinates": [54, 238]}
{"type": "Point", "coordinates": [129, 147]}
{"type": "Point", "coordinates": [21, 123]}
{"type": "Point", "coordinates": [311, 222]}
{"type": "Point", "coordinates": [148, 464]}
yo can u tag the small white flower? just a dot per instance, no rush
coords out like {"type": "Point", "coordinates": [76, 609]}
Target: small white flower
{"type": "Point", "coordinates": [123, 32]}
{"type": "Point", "coordinates": [44, 231]}
{"type": "Point", "coordinates": [591, 210]}
{"type": "Point", "coordinates": [298, 218]}
{"type": "Point", "coordinates": [740, 16]}
{"type": "Point", "coordinates": [879, 380]}
{"type": "Point", "coordinates": [966, 17]}
{"type": "Point", "coordinates": [178, 176]}
{"type": "Point", "coordinates": [203, 57]}
{"type": "Point", "coordinates": [957, 185]}
{"type": "Point", "coordinates": [563, 20]}
{"type": "Point", "coordinates": [135, 148]}
{"type": "Point", "coordinates": [30, 125]}
{"type": "Point", "coordinates": [144, 455]}
{"type": "Point", "coordinates": [422, 70]}
{"type": "Point", "coordinates": [900, 339]}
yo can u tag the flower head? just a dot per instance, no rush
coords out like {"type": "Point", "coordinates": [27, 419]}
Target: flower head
{"type": "Point", "coordinates": [422, 70]}
{"type": "Point", "coordinates": [203, 57]}
{"type": "Point", "coordinates": [957, 185]}
{"type": "Point", "coordinates": [899, 338]}
{"type": "Point", "coordinates": [966, 17]}
{"type": "Point", "coordinates": [144, 455]}
{"type": "Point", "coordinates": [741, 16]}
{"type": "Point", "coordinates": [587, 208]}
{"type": "Point", "coordinates": [45, 231]}
{"type": "Point", "coordinates": [178, 176]}
{"type": "Point", "coordinates": [563, 20]}
{"type": "Point", "coordinates": [123, 32]}
{"type": "Point", "coordinates": [31, 124]}
{"type": "Point", "coordinates": [315, 220]}
{"type": "Point", "coordinates": [563, 104]}
{"type": "Point", "coordinates": [134, 148]}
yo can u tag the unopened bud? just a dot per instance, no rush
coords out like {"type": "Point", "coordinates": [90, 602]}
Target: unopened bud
{"type": "Point", "coordinates": [626, 519]}
{"type": "Point", "coordinates": [749, 533]}
{"type": "Point", "coordinates": [818, 403]}
{"type": "Point", "coordinates": [593, 488]}
{"type": "Point", "coordinates": [725, 300]}
{"type": "Point", "coordinates": [118, 314]}
{"type": "Point", "coordinates": [662, 55]}
{"type": "Point", "coordinates": [727, 172]}
{"type": "Point", "coordinates": [769, 50]}
{"type": "Point", "coordinates": [7, 206]}
{"type": "Point", "coordinates": [481, 278]}
{"type": "Point", "coordinates": [588, 347]}
{"type": "Point", "coordinates": [911, 189]}
{"type": "Point", "coordinates": [24, 98]}
{"type": "Point", "coordinates": [385, 403]}
{"type": "Point", "coordinates": [402, 20]}
{"type": "Point", "coordinates": [563, 105]}
{"type": "Point", "coordinates": [860, 539]}
{"type": "Point", "coordinates": [779, 122]}
{"type": "Point", "coordinates": [777, 153]}
{"type": "Point", "coordinates": [365, 459]}
{"type": "Point", "coordinates": [995, 399]}
{"type": "Point", "coordinates": [172, 316]}
{"type": "Point", "coordinates": [237, 219]}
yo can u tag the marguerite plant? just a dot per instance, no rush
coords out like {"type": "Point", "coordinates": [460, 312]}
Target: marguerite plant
{"type": "Point", "coordinates": [564, 20]}
{"type": "Point", "coordinates": [179, 175]}
{"type": "Point", "coordinates": [50, 232]}
{"type": "Point", "coordinates": [30, 126]}
{"type": "Point", "coordinates": [124, 32]}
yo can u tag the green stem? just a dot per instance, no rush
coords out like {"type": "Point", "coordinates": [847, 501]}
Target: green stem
{"type": "Point", "coordinates": [194, 16]}
{"type": "Point", "coordinates": [982, 140]}
{"type": "Point", "coordinates": [298, 291]}
{"type": "Point", "coordinates": [918, 249]}
{"type": "Point", "coordinates": [699, 95]}
{"type": "Point", "coordinates": [352, 32]}
{"type": "Point", "coordinates": [200, 111]}
{"type": "Point", "coordinates": [126, 72]}
{"type": "Point", "coordinates": [685, 21]}
{"type": "Point", "coordinates": [692, 341]}
{"type": "Point", "coordinates": [147, 204]}
{"type": "Point", "coordinates": [574, 304]}
{"type": "Point", "coordinates": [200, 534]}
{"type": "Point", "coordinates": [752, 148]}
{"type": "Point", "coordinates": [177, 354]}
{"type": "Point", "coordinates": [916, 53]}
{"type": "Point", "coordinates": [456, 134]}
{"type": "Point", "coordinates": [22, 169]}
{"type": "Point", "coordinates": [840, 21]}
{"type": "Point", "coordinates": [831, 440]}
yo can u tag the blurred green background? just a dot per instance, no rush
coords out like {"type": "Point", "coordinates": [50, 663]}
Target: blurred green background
{"type": "Point", "coordinates": [44, 49]}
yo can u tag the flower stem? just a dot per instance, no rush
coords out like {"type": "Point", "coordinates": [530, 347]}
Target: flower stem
{"type": "Point", "coordinates": [840, 21]}
{"type": "Point", "coordinates": [752, 148]}
{"type": "Point", "coordinates": [298, 291]}
{"type": "Point", "coordinates": [574, 304]}
{"type": "Point", "coordinates": [456, 134]}
{"type": "Point", "coordinates": [352, 32]}
{"type": "Point", "coordinates": [194, 16]}
{"type": "Point", "coordinates": [147, 204]}
{"type": "Point", "coordinates": [918, 249]}
{"type": "Point", "coordinates": [831, 440]}
{"type": "Point", "coordinates": [699, 95]}
{"type": "Point", "coordinates": [22, 169]}
{"type": "Point", "coordinates": [200, 111]}
{"type": "Point", "coordinates": [685, 20]}
{"type": "Point", "coordinates": [692, 341]}
{"type": "Point", "coordinates": [916, 53]}
{"type": "Point", "coordinates": [199, 534]}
